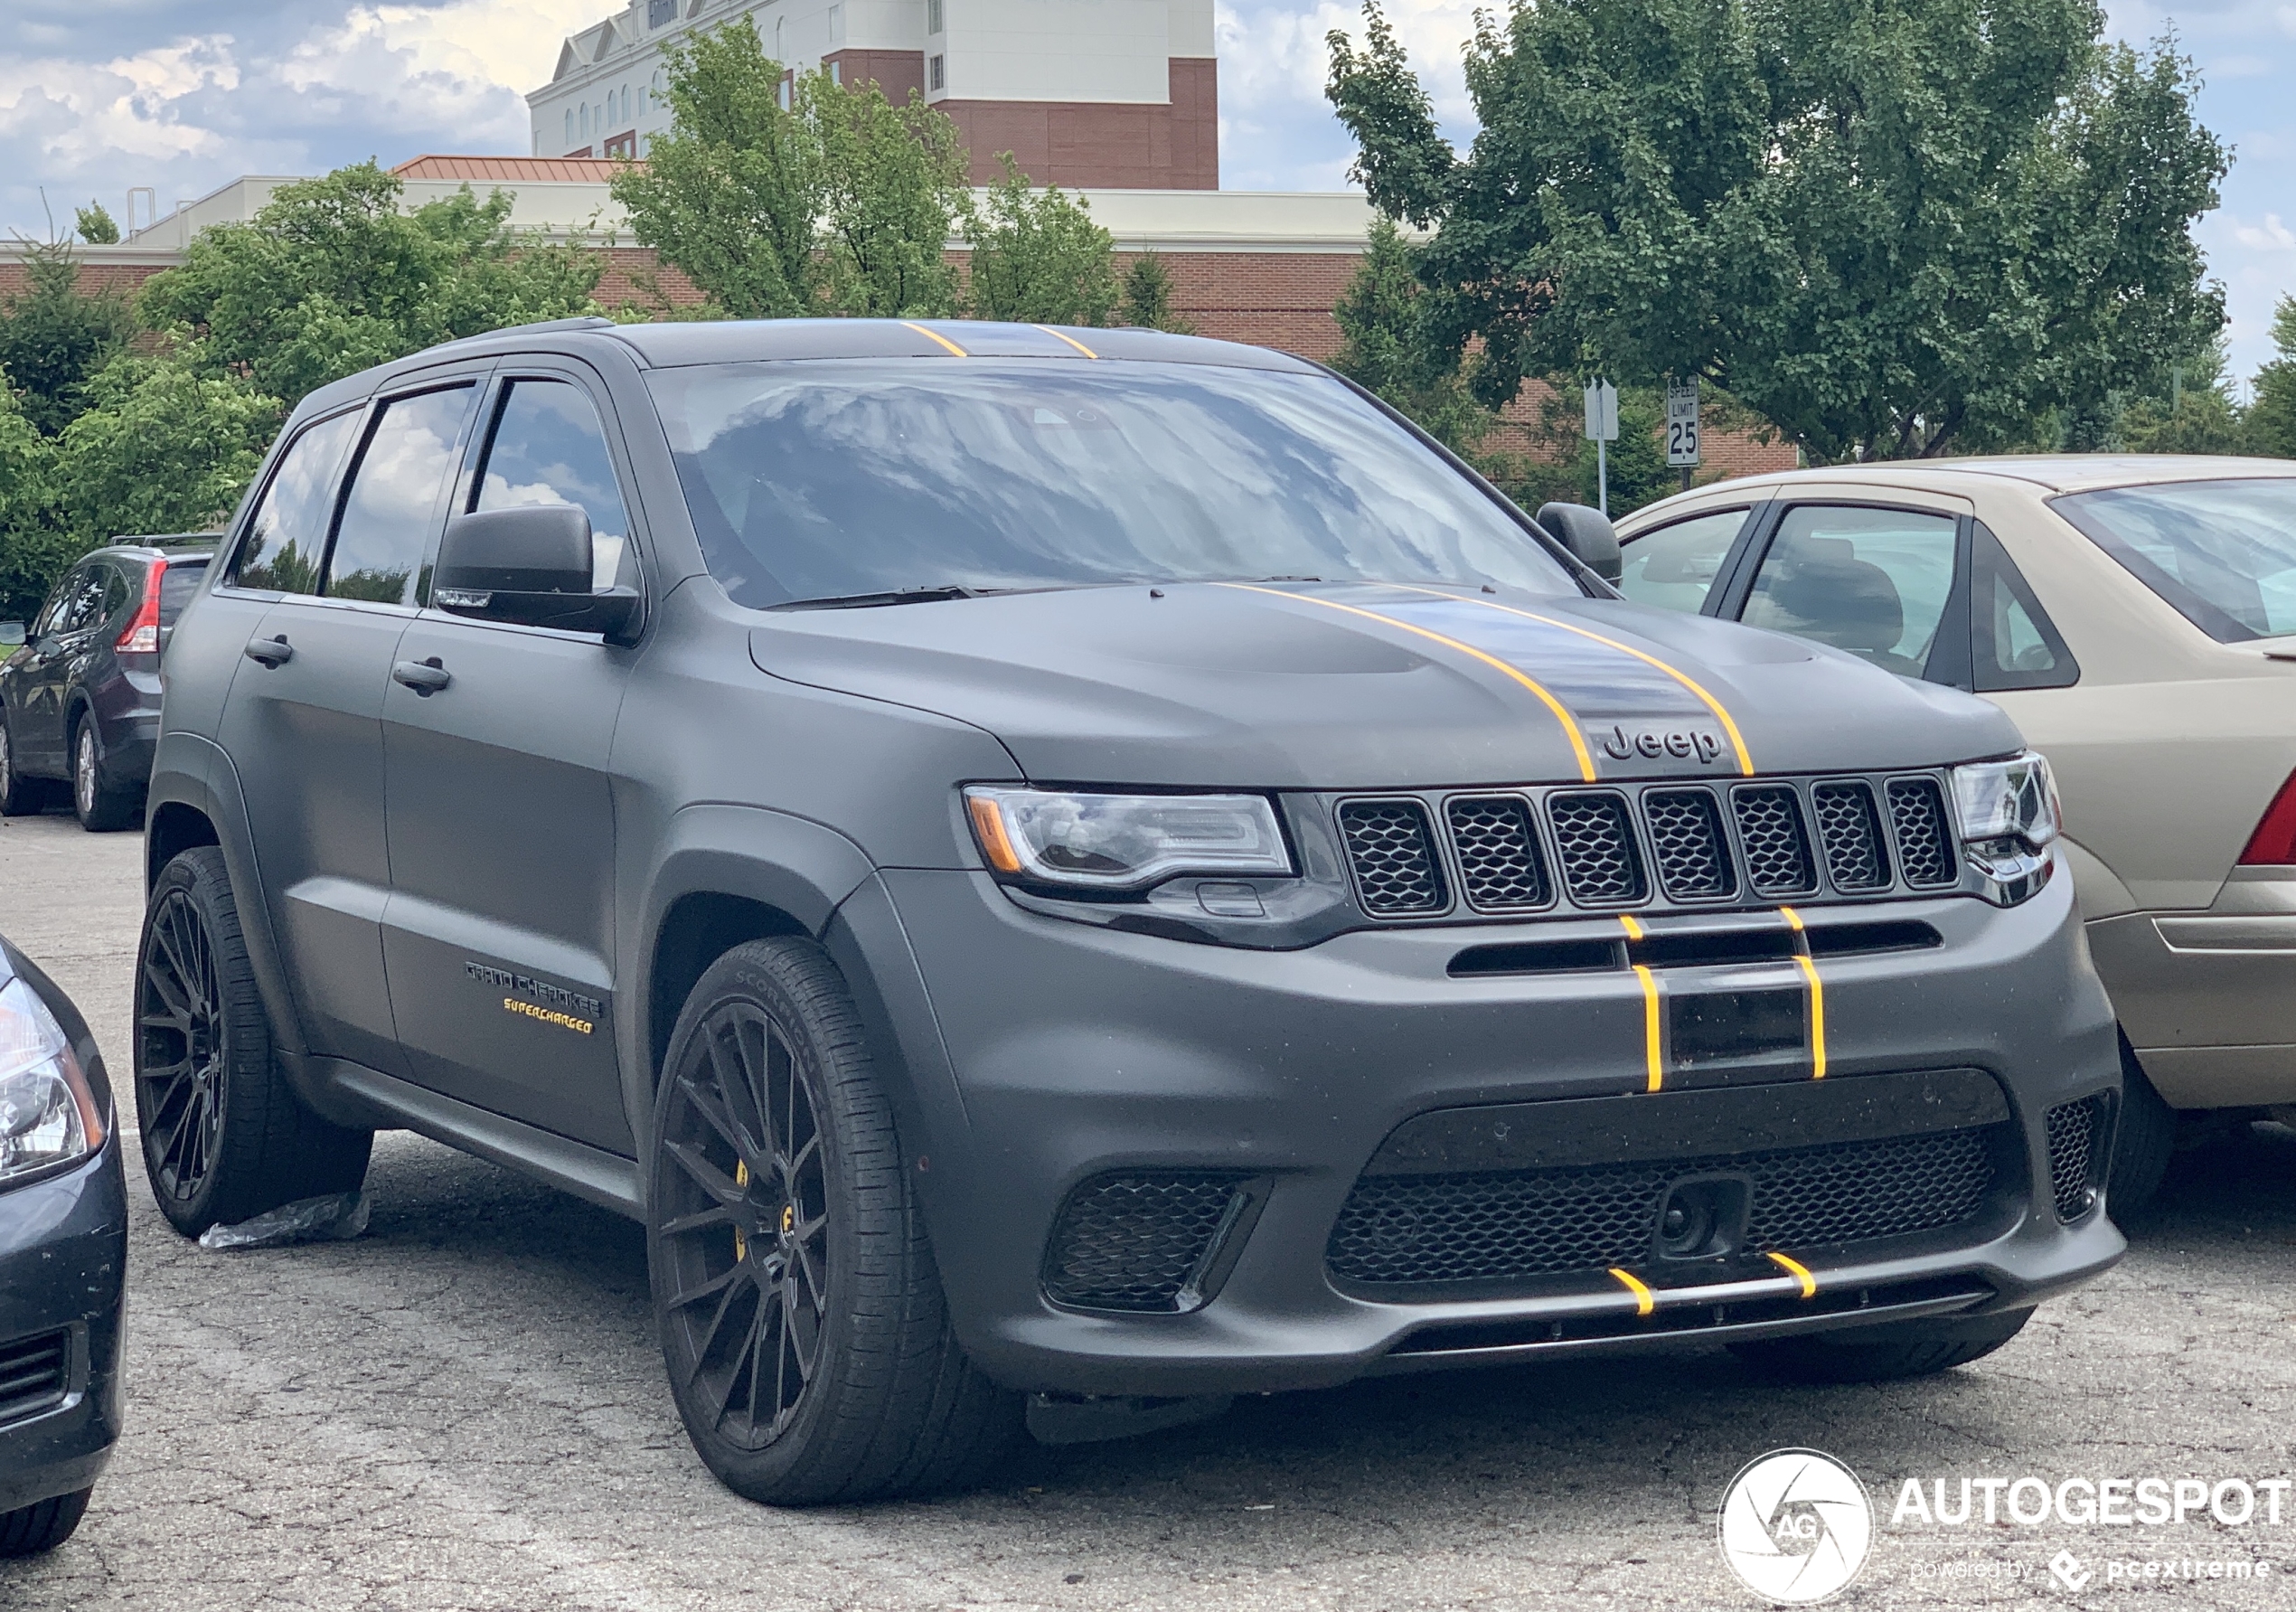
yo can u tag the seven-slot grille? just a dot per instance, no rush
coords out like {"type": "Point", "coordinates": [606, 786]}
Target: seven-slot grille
{"type": "Point", "coordinates": [1603, 849]}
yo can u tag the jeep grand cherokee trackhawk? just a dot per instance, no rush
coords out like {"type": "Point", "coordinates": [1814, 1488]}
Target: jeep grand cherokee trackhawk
{"type": "Point", "coordinates": [1067, 875]}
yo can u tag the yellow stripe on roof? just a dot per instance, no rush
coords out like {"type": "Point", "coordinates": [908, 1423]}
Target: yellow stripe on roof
{"type": "Point", "coordinates": [937, 337]}
{"type": "Point", "coordinates": [1072, 340]}
{"type": "Point", "coordinates": [1562, 713]}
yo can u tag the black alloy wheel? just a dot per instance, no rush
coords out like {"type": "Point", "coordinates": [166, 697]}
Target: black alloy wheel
{"type": "Point", "coordinates": [808, 1345]}
{"type": "Point", "coordinates": [179, 1053]}
{"type": "Point", "coordinates": [225, 1136]}
{"type": "Point", "coordinates": [744, 1227]}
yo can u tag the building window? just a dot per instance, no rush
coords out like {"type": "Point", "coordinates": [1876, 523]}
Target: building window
{"type": "Point", "coordinates": [570, 126]}
{"type": "Point", "coordinates": [586, 119]}
{"type": "Point", "coordinates": [781, 52]}
{"type": "Point", "coordinates": [837, 72]}
{"type": "Point", "coordinates": [621, 146]}
{"type": "Point", "coordinates": [785, 92]}
{"type": "Point", "coordinates": [836, 24]}
{"type": "Point", "coordinates": [938, 77]}
{"type": "Point", "coordinates": [660, 13]}
{"type": "Point", "coordinates": [934, 21]}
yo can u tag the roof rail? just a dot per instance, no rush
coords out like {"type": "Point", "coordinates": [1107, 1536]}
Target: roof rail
{"type": "Point", "coordinates": [583, 322]}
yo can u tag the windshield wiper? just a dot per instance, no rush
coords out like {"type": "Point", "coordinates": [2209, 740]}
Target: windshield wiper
{"type": "Point", "coordinates": [891, 596]}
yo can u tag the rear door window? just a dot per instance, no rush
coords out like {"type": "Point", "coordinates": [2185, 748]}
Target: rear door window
{"type": "Point", "coordinates": [1872, 581]}
{"type": "Point", "coordinates": [288, 533]}
{"type": "Point", "coordinates": [1675, 567]}
{"type": "Point", "coordinates": [404, 471]}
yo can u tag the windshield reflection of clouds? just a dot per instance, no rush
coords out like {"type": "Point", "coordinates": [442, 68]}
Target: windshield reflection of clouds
{"type": "Point", "coordinates": [826, 478]}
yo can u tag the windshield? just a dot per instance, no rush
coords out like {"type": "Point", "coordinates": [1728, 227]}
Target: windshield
{"type": "Point", "coordinates": [2223, 552]}
{"type": "Point", "coordinates": [826, 479]}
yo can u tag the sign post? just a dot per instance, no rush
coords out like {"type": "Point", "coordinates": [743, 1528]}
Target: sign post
{"type": "Point", "coordinates": [1602, 430]}
{"type": "Point", "coordinates": [1682, 428]}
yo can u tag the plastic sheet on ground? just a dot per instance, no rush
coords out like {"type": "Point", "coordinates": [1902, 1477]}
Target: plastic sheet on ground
{"type": "Point", "coordinates": [335, 1218]}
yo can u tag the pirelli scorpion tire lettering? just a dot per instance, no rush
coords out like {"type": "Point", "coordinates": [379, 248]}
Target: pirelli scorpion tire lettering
{"type": "Point", "coordinates": [808, 1345]}
{"type": "Point", "coordinates": [225, 1136]}
{"type": "Point", "coordinates": [1884, 1354]}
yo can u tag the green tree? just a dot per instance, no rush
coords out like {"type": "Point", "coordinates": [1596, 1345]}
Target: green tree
{"type": "Point", "coordinates": [1891, 227]}
{"type": "Point", "coordinates": [160, 448]}
{"type": "Point", "coordinates": [1039, 258]}
{"type": "Point", "coordinates": [2271, 415]}
{"type": "Point", "coordinates": [732, 194]}
{"type": "Point", "coordinates": [1386, 347]}
{"type": "Point", "coordinates": [33, 551]}
{"type": "Point", "coordinates": [96, 225]}
{"type": "Point", "coordinates": [54, 336]}
{"type": "Point", "coordinates": [1147, 297]}
{"type": "Point", "coordinates": [843, 203]}
{"type": "Point", "coordinates": [330, 277]}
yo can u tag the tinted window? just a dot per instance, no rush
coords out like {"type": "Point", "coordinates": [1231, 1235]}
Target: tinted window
{"type": "Point", "coordinates": [177, 584]}
{"type": "Point", "coordinates": [844, 476]}
{"type": "Point", "coordinates": [82, 604]}
{"type": "Point", "coordinates": [2013, 644]}
{"type": "Point", "coordinates": [1675, 566]}
{"type": "Point", "coordinates": [394, 497]}
{"type": "Point", "coordinates": [290, 531]}
{"type": "Point", "coordinates": [2223, 552]}
{"type": "Point", "coordinates": [116, 592]}
{"type": "Point", "coordinates": [549, 447]}
{"type": "Point", "coordinates": [1872, 581]}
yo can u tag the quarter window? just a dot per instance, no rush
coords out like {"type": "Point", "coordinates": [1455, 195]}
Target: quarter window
{"type": "Point", "coordinates": [1675, 566]}
{"type": "Point", "coordinates": [549, 447]}
{"type": "Point", "coordinates": [2013, 644]}
{"type": "Point", "coordinates": [1872, 581]}
{"type": "Point", "coordinates": [394, 497]}
{"type": "Point", "coordinates": [288, 533]}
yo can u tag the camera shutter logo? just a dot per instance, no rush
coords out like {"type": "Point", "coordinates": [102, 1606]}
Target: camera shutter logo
{"type": "Point", "coordinates": [1796, 1526]}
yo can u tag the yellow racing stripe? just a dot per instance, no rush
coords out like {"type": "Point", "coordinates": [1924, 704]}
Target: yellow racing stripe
{"type": "Point", "coordinates": [937, 337]}
{"type": "Point", "coordinates": [1654, 1064]}
{"type": "Point", "coordinates": [1799, 1271]}
{"type": "Point", "coordinates": [1817, 996]}
{"type": "Point", "coordinates": [1737, 739]}
{"type": "Point", "coordinates": [1644, 1300]}
{"type": "Point", "coordinates": [1634, 930]}
{"type": "Point", "coordinates": [1562, 713]}
{"type": "Point", "coordinates": [1072, 340]}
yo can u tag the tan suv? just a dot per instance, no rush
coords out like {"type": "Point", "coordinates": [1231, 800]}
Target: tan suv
{"type": "Point", "coordinates": [2137, 617]}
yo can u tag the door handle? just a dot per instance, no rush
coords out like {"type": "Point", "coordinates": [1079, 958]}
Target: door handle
{"type": "Point", "coordinates": [273, 652]}
{"type": "Point", "coordinates": [425, 677]}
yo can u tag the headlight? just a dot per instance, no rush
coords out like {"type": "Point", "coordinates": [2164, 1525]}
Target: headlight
{"type": "Point", "coordinates": [1123, 842]}
{"type": "Point", "coordinates": [2008, 814]}
{"type": "Point", "coordinates": [48, 1114]}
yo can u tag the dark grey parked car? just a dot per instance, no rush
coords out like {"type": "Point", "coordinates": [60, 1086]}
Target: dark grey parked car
{"type": "Point", "coordinates": [63, 1262]}
{"type": "Point", "coordinates": [1065, 875]}
{"type": "Point", "coordinates": [79, 685]}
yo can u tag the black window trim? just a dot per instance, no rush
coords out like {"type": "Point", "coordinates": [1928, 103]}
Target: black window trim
{"type": "Point", "coordinates": [228, 552]}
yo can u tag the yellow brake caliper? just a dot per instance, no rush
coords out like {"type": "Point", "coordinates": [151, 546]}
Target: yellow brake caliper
{"type": "Point", "coordinates": [741, 1179]}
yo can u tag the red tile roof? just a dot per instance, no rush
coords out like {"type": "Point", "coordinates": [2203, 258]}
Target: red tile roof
{"type": "Point", "coordinates": [510, 170]}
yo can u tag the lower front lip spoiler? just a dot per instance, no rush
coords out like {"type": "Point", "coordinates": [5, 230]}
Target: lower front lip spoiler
{"type": "Point", "coordinates": [1723, 1312]}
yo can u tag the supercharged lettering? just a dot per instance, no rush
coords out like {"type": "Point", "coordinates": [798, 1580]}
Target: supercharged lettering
{"type": "Point", "coordinates": [540, 990]}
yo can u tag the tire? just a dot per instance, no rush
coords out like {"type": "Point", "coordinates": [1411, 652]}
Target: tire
{"type": "Point", "coordinates": [101, 808]}
{"type": "Point", "coordinates": [43, 1526]}
{"type": "Point", "coordinates": [804, 1234]}
{"type": "Point", "coordinates": [224, 1136]}
{"type": "Point", "coordinates": [1883, 1354]}
{"type": "Point", "coordinates": [2142, 1142]}
{"type": "Point", "coordinates": [20, 796]}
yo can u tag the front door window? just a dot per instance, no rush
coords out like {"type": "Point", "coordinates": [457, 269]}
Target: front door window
{"type": "Point", "coordinates": [1872, 581]}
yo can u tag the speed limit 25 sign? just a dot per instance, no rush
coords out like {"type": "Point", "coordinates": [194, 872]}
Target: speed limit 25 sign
{"type": "Point", "coordinates": [1682, 423]}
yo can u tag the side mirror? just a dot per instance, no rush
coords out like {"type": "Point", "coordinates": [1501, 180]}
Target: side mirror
{"type": "Point", "coordinates": [11, 635]}
{"type": "Point", "coordinates": [1587, 535]}
{"type": "Point", "coordinates": [529, 564]}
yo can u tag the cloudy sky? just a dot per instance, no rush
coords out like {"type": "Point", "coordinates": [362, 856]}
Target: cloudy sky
{"type": "Point", "coordinates": [185, 94]}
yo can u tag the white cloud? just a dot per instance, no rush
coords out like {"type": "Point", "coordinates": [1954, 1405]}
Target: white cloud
{"type": "Point", "coordinates": [2269, 236]}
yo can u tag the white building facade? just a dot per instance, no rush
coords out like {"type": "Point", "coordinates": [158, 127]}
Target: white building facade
{"type": "Point", "coordinates": [1085, 93]}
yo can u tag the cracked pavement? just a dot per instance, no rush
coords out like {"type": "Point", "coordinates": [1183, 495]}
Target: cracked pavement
{"type": "Point", "coordinates": [465, 1409]}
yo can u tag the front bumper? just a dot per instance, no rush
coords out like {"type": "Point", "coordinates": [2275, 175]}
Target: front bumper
{"type": "Point", "coordinates": [1068, 1052]}
{"type": "Point", "coordinates": [63, 1262]}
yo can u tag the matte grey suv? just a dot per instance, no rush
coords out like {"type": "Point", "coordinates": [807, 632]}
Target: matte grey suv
{"type": "Point", "coordinates": [1067, 875]}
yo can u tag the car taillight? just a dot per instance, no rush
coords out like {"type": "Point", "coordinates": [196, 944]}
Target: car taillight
{"type": "Point", "coordinates": [142, 636]}
{"type": "Point", "coordinates": [2274, 844]}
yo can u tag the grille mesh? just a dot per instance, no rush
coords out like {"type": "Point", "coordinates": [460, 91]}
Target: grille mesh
{"type": "Point", "coordinates": [1393, 856]}
{"type": "Point", "coordinates": [1776, 845]}
{"type": "Point", "coordinates": [1524, 1223]}
{"type": "Point", "coordinates": [1500, 865]}
{"type": "Point", "coordinates": [1595, 839]}
{"type": "Point", "coordinates": [1850, 832]}
{"type": "Point", "coordinates": [1688, 841]}
{"type": "Point", "coordinates": [2074, 1131]}
{"type": "Point", "coordinates": [1131, 1241]}
{"type": "Point", "coordinates": [32, 1374]}
{"type": "Point", "coordinates": [1924, 848]}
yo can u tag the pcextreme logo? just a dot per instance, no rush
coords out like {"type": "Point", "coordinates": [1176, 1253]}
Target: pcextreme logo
{"type": "Point", "coordinates": [1796, 1526]}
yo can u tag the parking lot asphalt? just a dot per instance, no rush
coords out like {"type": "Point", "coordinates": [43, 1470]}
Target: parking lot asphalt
{"type": "Point", "coordinates": [465, 1409]}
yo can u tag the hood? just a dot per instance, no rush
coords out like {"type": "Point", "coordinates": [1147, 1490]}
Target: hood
{"type": "Point", "coordinates": [1375, 686]}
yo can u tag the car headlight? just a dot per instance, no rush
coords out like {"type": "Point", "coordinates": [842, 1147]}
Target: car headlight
{"type": "Point", "coordinates": [48, 1114]}
{"type": "Point", "coordinates": [2008, 814]}
{"type": "Point", "coordinates": [1123, 842]}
